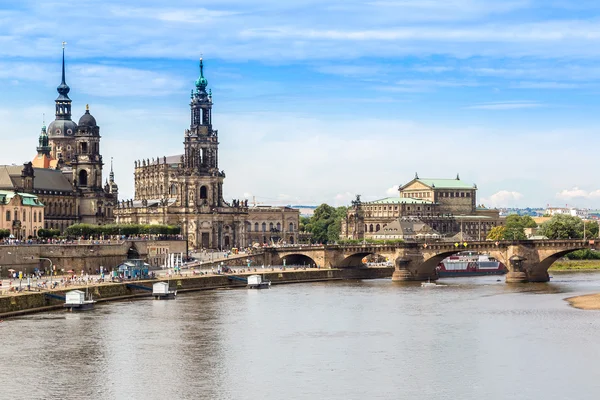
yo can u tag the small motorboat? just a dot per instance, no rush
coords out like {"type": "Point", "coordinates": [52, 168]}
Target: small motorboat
{"type": "Point", "coordinates": [256, 282]}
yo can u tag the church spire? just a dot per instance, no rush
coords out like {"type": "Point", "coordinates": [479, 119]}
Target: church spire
{"type": "Point", "coordinates": [112, 174]}
{"type": "Point", "coordinates": [43, 148]}
{"type": "Point", "coordinates": [63, 89]}
{"type": "Point", "coordinates": [63, 102]}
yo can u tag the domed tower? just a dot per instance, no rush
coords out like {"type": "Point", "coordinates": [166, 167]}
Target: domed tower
{"type": "Point", "coordinates": [43, 159]}
{"type": "Point", "coordinates": [201, 144]}
{"type": "Point", "coordinates": [61, 131]}
{"type": "Point", "coordinates": [87, 162]}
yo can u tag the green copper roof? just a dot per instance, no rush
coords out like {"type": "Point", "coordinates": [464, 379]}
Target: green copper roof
{"type": "Point", "coordinates": [446, 183]}
{"type": "Point", "coordinates": [400, 200]}
{"type": "Point", "coordinates": [28, 199]}
{"type": "Point", "coordinates": [201, 82]}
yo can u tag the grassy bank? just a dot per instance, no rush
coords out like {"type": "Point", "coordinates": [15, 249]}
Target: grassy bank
{"type": "Point", "coordinates": [575, 265]}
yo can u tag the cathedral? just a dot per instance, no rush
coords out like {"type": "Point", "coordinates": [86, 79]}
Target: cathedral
{"type": "Point", "coordinates": [187, 190]}
{"type": "Point", "coordinates": [66, 172]}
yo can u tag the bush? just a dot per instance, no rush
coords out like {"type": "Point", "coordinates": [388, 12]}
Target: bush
{"type": "Point", "coordinates": [4, 233]}
{"type": "Point", "coordinates": [48, 233]}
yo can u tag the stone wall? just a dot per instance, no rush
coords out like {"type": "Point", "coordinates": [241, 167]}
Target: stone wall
{"type": "Point", "coordinates": [78, 257]}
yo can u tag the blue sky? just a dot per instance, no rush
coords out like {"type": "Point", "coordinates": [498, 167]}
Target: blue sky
{"type": "Point", "coordinates": [316, 101]}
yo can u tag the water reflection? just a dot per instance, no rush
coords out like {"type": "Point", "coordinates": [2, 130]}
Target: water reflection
{"type": "Point", "coordinates": [470, 339]}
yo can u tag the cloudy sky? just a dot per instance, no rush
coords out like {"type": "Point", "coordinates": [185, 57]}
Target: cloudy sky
{"type": "Point", "coordinates": [316, 101]}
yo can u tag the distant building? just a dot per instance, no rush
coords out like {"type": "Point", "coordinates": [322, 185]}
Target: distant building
{"type": "Point", "coordinates": [574, 212]}
{"type": "Point", "coordinates": [447, 206]}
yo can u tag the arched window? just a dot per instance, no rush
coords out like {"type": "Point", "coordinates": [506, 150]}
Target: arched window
{"type": "Point", "coordinates": [264, 226]}
{"type": "Point", "coordinates": [24, 216]}
{"type": "Point", "coordinates": [377, 228]}
{"type": "Point", "coordinates": [248, 226]}
{"type": "Point", "coordinates": [291, 229]}
{"type": "Point", "coordinates": [173, 189]}
{"type": "Point", "coordinates": [34, 218]}
{"type": "Point", "coordinates": [256, 226]}
{"type": "Point", "coordinates": [270, 226]}
{"type": "Point", "coordinates": [83, 178]}
{"type": "Point", "coordinates": [371, 228]}
{"type": "Point", "coordinates": [278, 226]}
{"type": "Point", "coordinates": [40, 216]}
{"type": "Point", "coordinates": [203, 192]}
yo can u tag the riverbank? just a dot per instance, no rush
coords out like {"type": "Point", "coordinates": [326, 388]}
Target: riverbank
{"type": "Point", "coordinates": [575, 265]}
{"type": "Point", "coordinates": [32, 302]}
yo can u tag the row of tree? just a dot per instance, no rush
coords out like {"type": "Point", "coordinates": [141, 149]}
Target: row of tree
{"type": "Point", "coordinates": [87, 230]}
{"type": "Point", "coordinates": [558, 227]}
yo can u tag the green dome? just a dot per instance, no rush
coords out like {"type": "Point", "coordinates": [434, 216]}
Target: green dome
{"type": "Point", "coordinates": [201, 82]}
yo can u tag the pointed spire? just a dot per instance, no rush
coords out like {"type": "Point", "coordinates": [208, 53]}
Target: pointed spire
{"type": "Point", "coordinates": [63, 89]}
{"type": "Point", "coordinates": [112, 174]}
{"type": "Point", "coordinates": [201, 82]}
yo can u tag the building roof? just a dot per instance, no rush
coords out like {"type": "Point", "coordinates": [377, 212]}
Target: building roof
{"type": "Point", "coordinates": [44, 179]}
{"type": "Point", "coordinates": [441, 183]}
{"type": "Point", "coordinates": [399, 200]}
{"type": "Point", "coordinates": [27, 199]}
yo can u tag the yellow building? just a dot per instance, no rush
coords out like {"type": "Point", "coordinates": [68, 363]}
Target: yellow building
{"type": "Point", "coordinates": [21, 213]}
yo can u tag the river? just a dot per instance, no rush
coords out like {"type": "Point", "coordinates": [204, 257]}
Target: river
{"type": "Point", "coordinates": [474, 338]}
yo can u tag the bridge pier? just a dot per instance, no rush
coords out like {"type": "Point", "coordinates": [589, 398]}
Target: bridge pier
{"type": "Point", "coordinates": [402, 272]}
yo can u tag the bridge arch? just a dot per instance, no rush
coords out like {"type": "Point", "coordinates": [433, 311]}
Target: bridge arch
{"type": "Point", "coordinates": [356, 260]}
{"type": "Point", "coordinates": [298, 259]}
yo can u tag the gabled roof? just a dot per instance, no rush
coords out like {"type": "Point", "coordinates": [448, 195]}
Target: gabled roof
{"type": "Point", "coordinates": [441, 183]}
{"type": "Point", "coordinates": [44, 178]}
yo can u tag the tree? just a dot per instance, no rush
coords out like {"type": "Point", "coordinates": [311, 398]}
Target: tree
{"type": "Point", "coordinates": [48, 233]}
{"type": "Point", "coordinates": [515, 227]}
{"type": "Point", "coordinates": [496, 233]}
{"type": "Point", "coordinates": [325, 224]}
{"type": "Point", "coordinates": [563, 226]}
{"type": "Point", "coordinates": [4, 233]}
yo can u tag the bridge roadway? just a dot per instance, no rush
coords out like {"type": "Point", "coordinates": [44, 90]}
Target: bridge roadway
{"type": "Point", "coordinates": [526, 260]}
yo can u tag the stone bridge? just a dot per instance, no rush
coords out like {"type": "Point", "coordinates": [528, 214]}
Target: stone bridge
{"type": "Point", "coordinates": [526, 260]}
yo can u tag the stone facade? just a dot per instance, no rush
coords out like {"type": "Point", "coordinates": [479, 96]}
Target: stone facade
{"type": "Point", "coordinates": [21, 213]}
{"type": "Point", "coordinates": [187, 190]}
{"type": "Point", "coordinates": [66, 173]}
{"type": "Point", "coordinates": [448, 206]}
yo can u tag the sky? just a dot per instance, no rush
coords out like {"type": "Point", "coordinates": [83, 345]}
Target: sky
{"type": "Point", "coordinates": [317, 101]}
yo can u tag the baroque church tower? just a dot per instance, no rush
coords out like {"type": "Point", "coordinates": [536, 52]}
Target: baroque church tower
{"type": "Point", "coordinates": [201, 157]}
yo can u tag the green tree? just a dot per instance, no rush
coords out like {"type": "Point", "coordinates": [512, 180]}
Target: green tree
{"type": "Point", "coordinates": [4, 233]}
{"type": "Point", "coordinates": [515, 227]}
{"type": "Point", "coordinates": [566, 227]}
{"type": "Point", "coordinates": [48, 233]}
{"type": "Point", "coordinates": [325, 224]}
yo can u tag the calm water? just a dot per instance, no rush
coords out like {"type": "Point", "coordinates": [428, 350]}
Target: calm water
{"type": "Point", "coordinates": [472, 339]}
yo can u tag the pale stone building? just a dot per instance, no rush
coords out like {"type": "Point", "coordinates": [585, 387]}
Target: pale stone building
{"type": "Point", "coordinates": [448, 206]}
{"type": "Point", "coordinates": [187, 190]}
{"type": "Point", "coordinates": [21, 213]}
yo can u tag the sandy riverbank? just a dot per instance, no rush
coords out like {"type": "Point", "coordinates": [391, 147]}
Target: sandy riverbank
{"type": "Point", "coordinates": [585, 302]}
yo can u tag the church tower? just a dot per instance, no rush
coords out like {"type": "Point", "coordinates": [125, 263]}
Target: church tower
{"type": "Point", "coordinates": [201, 158]}
{"type": "Point", "coordinates": [61, 131]}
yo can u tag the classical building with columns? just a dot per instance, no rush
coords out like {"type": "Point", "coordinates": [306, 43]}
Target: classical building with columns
{"type": "Point", "coordinates": [187, 190]}
{"type": "Point", "coordinates": [447, 206]}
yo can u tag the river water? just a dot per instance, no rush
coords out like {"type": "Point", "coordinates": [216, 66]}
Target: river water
{"type": "Point", "coordinates": [475, 338]}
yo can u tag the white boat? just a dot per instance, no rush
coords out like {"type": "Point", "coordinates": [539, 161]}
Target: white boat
{"type": "Point", "coordinates": [76, 300]}
{"type": "Point", "coordinates": [256, 282]}
{"type": "Point", "coordinates": [160, 291]}
{"type": "Point", "coordinates": [428, 283]}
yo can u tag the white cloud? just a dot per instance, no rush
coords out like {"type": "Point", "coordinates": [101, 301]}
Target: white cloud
{"type": "Point", "coordinates": [343, 199]}
{"type": "Point", "coordinates": [577, 193]}
{"type": "Point", "coordinates": [503, 198]}
{"type": "Point", "coordinates": [393, 191]}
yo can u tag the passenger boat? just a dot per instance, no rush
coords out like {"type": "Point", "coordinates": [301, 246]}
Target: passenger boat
{"type": "Point", "coordinates": [76, 300]}
{"type": "Point", "coordinates": [470, 264]}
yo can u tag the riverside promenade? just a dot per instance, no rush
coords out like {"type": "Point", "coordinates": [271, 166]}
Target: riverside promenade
{"type": "Point", "coordinates": [24, 302]}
